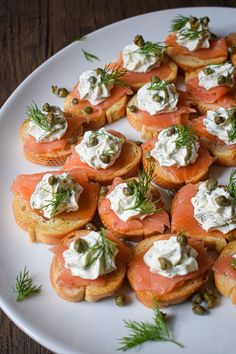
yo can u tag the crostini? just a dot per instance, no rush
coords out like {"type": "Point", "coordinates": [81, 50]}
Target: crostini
{"type": "Point", "coordinates": [48, 134]}
{"type": "Point", "coordinates": [133, 209]}
{"type": "Point", "coordinates": [51, 204]}
{"type": "Point", "coordinates": [206, 210]}
{"type": "Point", "coordinates": [231, 42]}
{"type": "Point", "coordinates": [144, 59]}
{"type": "Point", "coordinates": [212, 87]}
{"type": "Point", "coordinates": [217, 130]}
{"type": "Point", "coordinates": [99, 97]}
{"type": "Point", "coordinates": [157, 105]}
{"type": "Point", "coordinates": [89, 265]}
{"type": "Point", "coordinates": [191, 44]}
{"type": "Point", "coordinates": [225, 271]}
{"type": "Point", "coordinates": [178, 157]}
{"type": "Point", "coordinates": [105, 154]}
{"type": "Point", "coordinates": [168, 269]}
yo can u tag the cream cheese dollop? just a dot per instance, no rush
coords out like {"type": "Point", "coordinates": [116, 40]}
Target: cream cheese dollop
{"type": "Point", "coordinates": [167, 153]}
{"type": "Point", "coordinates": [123, 205]}
{"type": "Point", "coordinates": [220, 123]}
{"type": "Point", "coordinates": [99, 149]}
{"type": "Point", "coordinates": [200, 40]}
{"type": "Point", "coordinates": [47, 192]}
{"type": "Point", "coordinates": [182, 259]}
{"type": "Point", "coordinates": [137, 61]}
{"type": "Point", "coordinates": [216, 75]}
{"type": "Point", "coordinates": [77, 261]}
{"type": "Point", "coordinates": [53, 130]}
{"type": "Point", "coordinates": [159, 98]}
{"type": "Point", "coordinates": [209, 214]}
{"type": "Point", "coordinates": [92, 88]}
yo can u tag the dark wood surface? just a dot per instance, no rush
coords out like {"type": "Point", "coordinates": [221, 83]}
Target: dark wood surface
{"type": "Point", "coordinates": [33, 30]}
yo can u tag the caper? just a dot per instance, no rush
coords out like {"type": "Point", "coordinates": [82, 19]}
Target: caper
{"type": "Point", "coordinates": [197, 298]}
{"type": "Point", "coordinates": [99, 71]}
{"type": "Point", "coordinates": [121, 300]}
{"type": "Point", "coordinates": [105, 158]}
{"type": "Point", "coordinates": [81, 245]}
{"type": "Point", "coordinates": [93, 141]}
{"type": "Point", "coordinates": [103, 191]}
{"type": "Point", "coordinates": [46, 107]}
{"type": "Point", "coordinates": [92, 80]}
{"type": "Point", "coordinates": [210, 297]}
{"type": "Point", "coordinates": [64, 181]}
{"type": "Point", "coordinates": [164, 263]}
{"type": "Point", "coordinates": [73, 139]}
{"type": "Point", "coordinates": [205, 20]}
{"type": "Point", "coordinates": [88, 110]}
{"type": "Point", "coordinates": [62, 92]}
{"type": "Point", "coordinates": [221, 80]}
{"type": "Point", "coordinates": [157, 98]}
{"type": "Point", "coordinates": [170, 131]}
{"type": "Point", "coordinates": [139, 41]}
{"type": "Point", "coordinates": [127, 191]}
{"type": "Point", "coordinates": [54, 89]}
{"type": "Point", "coordinates": [233, 264]}
{"type": "Point", "coordinates": [222, 201]}
{"type": "Point", "coordinates": [194, 22]}
{"type": "Point", "coordinates": [156, 79]}
{"type": "Point", "coordinates": [75, 101]}
{"type": "Point", "coordinates": [90, 226]}
{"type": "Point", "coordinates": [182, 240]}
{"type": "Point", "coordinates": [52, 180]}
{"type": "Point", "coordinates": [211, 184]}
{"type": "Point", "coordinates": [208, 71]}
{"type": "Point", "coordinates": [133, 108]}
{"type": "Point", "coordinates": [50, 117]}
{"type": "Point", "coordinates": [219, 119]}
{"type": "Point", "coordinates": [199, 309]}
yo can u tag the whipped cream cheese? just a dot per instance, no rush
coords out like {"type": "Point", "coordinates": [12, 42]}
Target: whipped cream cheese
{"type": "Point", "coordinates": [123, 205]}
{"type": "Point", "coordinates": [134, 59]}
{"type": "Point", "coordinates": [54, 129]}
{"type": "Point", "coordinates": [157, 97]}
{"type": "Point", "coordinates": [55, 194]}
{"type": "Point", "coordinates": [182, 260]}
{"type": "Point", "coordinates": [214, 209]}
{"type": "Point", "coordinates": [99, 149]}
{"type": "Point", "coordinates": [220, 124]}
{"type": "Point", "coordinates": [92, 88]}
{"type": "Point", "coordinates": [216, 75]}
{"type": "Point", "coordinates": [167, 153]}
{"type": "Point", "coordinates": [77, 262]}
{"type": "Point", "coordinates": [201, 39]}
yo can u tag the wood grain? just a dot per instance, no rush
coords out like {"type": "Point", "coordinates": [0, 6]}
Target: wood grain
{"type": "Point", "coordinates": [31, 32]}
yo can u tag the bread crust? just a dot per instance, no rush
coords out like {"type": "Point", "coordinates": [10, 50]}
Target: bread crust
{"type": "Point", "coordinates": [90, 292]}
{"type": "Point", "coordinates": [108, 115]}
{"type": "Point", "coordinates": [54, 158]}
{"type": "Point", "coordinates": [53, 230]}
{"type": "Point", "coordinates": [176, 296]}
{"type": "Point", "coordinates": [224, 283]}
{"type": "Point", "coordinates": [224, 157]}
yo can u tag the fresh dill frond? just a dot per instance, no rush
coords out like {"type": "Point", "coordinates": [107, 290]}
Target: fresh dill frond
{"type": "Point", "coordinates": [152, 49]}
{"type": "Point", "coordinates": [179, 22]}
{"type": "Point", "coordinates": [192, 34]}
{"type": "Point", "coordinates": [38, 117]}
{"type": "Point", "coordinates": [141, 332]}
{"type": "Point", "coordinates": [158, 84]}
{"type": "Point", "coordinates": [232, 184]}
{"type": "Point", "coordinates": [111, 75]}
{"type": "Point", "coordinates": [185, 137]}
{"type": "Point", "coordinates": [60, 197]}
{"type": "Point", "coordinates": [232, 131]}
{"type": "Point", "coordinates": [24, 287]}
{"type": "Point", "coordinates": [89, 56]}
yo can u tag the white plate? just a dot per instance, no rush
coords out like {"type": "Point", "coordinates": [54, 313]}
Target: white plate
{"type": "Point", "coordinates": [85, 328]}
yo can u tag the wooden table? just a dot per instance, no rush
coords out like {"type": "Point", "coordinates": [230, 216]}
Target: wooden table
{"type": "Point", "coordinates": [31, 32]}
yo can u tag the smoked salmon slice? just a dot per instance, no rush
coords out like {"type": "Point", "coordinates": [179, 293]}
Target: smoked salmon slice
{"type": "Point", "coordinates": [144, 280]}
{"type": "Point", "coordinates": [222, 266]}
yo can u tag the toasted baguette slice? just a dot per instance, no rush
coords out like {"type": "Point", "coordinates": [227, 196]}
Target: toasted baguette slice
{"type": "Point", "coordinates": [224, 283]}
{"type": "Point", "coordinates": [53, 230]}
{"type": "Point", "coordinates": [53, 158]}
{"type": "Point", "coordinates": [100, 117]}
{"type": "Point", "coordinates": [88, 292]}
{"type": "Point", "coordinates": [175, 296]}
{"type": "Point", "coordinates": [231, 42]}
{"type": "Point", "coordinates": [224, 156]}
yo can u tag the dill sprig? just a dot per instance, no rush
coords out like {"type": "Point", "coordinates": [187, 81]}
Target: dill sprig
{"type": "Point", "coordinates": [89, 56]}
{"type": "Point", "coordinates": [141, 332]}
{"type": "Point", "coordinates": [101, 250]}
{"type": "Point", "coordinates": [192, 34]}
{"type": "Point", "coordinates": [24, 287]}
{"type": "Point", "coordinates": [232, 184]}
{"type": "Point", "coordinates": [185, 137]}
{"type": "Point", "coordinates": [112, 75]}
{"type": "Point", "coordinates": [38, 117]}
{"type": "Point", "coordinates": [179, 22]}
{"type": "Point", "coordinates": [232, 117]}
{"type": "Point", "coordinates": [60, 197]}
{"type": "Point", "coordinates": [158, 84]}
{"type": "Point", "coordinates": [152, 49]}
